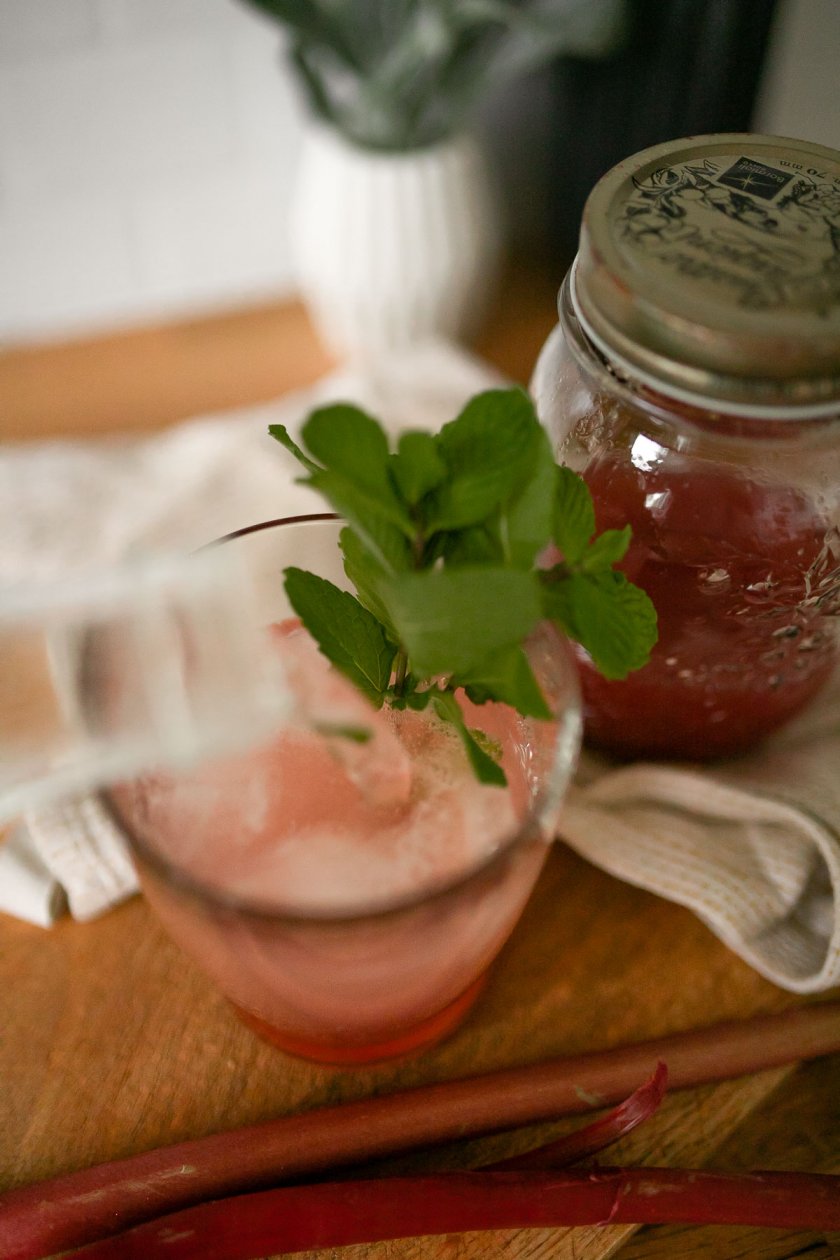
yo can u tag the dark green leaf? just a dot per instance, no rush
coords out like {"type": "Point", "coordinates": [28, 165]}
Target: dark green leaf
{"type": "Point", "coordinates": [479, 544]}
{"type": "Point", "coordinates": [347, 634]}
{"type": "Point", "coordinates": [281, 434]}
{"type": "Point", "coordinates": [526, 519]}
{"type": "Point", "coordinates": [489, 451]}
{"type": "Point", "coordinates": [367, 500]}
{"type": "Point", "coordinates": [348, 440]}
{"type": "Point", "coordinates": [419, 700]}
{"type": "Point", "coordinates": [607, 549]}
{"type": "Point", "coordinates": [493, 747]}
{"type": "Point", "coordinates": [417, 467]}
{"type": "Point", "coordinates": [574, 515]}
{"type": "Point", "coordinates": [450, 620]}
{"type": "Point", "coordinates": [309, 21]}
{"type": "Point", "coordinates": [353, 448]}
{"type": "Point", "coordinates": [507, 677]}
{"type": "Point", "coordinates": [366, 573]}
{"type": "Point", "coordinates": [304, 59]}
{"type": "Point", "coordinates": [486, 768]}
{"type": "Point", "coordinates": [385, 529]}
{"type": "Point", "coordinates": [613, 619]}
{"type": "Point", "coordinates": [356, 734]}
{"type": "Point", "coordinates": [410, 697]}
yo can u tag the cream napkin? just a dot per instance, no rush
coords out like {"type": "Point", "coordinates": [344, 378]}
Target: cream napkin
{"type": "Point", "coordinates": [752, 847]}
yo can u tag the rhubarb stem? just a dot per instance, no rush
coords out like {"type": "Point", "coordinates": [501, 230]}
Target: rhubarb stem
{"type": "Point", "coordinates": [335, 1214]}
{"type": "Point", "coordinates": [82, 1206]}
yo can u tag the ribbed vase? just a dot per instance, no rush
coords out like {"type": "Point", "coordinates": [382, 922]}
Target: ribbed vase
{"type": "Point", "coordinates": [391, 249]}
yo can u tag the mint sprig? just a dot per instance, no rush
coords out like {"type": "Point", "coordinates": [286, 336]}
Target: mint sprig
{"type": "Point", "coordinates": [442, 544]}
{"type": "Point", "coordinates": [349, 635]}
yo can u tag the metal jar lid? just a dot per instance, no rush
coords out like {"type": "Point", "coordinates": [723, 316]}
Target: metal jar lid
{"type": "Point", "coordinates": [709, 268]}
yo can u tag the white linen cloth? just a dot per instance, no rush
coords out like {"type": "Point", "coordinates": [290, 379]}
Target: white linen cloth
{"type": "Point", "coordinates": [751, 846]}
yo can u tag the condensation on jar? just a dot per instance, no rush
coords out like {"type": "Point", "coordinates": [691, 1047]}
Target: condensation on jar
{"type": "Point", "coordinates": [693, 380]}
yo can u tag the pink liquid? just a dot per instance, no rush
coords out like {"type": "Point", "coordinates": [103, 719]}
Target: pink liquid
{"type": "Point", "coordinates": [735, 568]}
{"type": "Point", "coordinates": [365, 888]}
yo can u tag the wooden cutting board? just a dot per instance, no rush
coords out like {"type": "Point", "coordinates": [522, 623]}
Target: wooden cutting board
{"type": "Point", "coordinates": [113, 1043]}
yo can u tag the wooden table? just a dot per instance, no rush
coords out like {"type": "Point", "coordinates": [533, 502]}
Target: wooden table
{"type": "Point", "coordinates": [112, 1043]}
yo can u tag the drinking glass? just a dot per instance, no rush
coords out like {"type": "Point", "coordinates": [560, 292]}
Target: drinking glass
{"type": "Point", "coordinates": [348, 897]}
{"type": "Point", "coordinates": [61, 735]}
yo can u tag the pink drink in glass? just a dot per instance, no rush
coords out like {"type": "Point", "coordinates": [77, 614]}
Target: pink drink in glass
{"type": "Point", "coordinates": [349, 897]}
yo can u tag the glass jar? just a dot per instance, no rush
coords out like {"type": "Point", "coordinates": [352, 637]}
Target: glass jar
{"type": "Point", "coordinates": [693, 380]}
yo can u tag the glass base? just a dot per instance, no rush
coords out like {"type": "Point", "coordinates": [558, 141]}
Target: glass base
{"type": "Point", "coordinates": [347, 1054]}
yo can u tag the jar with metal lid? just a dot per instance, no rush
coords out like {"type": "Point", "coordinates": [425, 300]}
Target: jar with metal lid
{"type": "Point", "coordinates": [693, 380]}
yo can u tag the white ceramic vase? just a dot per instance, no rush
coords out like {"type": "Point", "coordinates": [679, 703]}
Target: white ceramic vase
{"type": "Point", "coordinates": [393, 248]}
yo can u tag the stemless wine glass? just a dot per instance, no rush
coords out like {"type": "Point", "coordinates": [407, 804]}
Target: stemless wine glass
{"type": "Point", "coordinates": [347, 884]}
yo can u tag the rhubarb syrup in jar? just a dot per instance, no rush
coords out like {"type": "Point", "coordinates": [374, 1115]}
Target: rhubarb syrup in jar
{"type": "Point", "coordinates": [693, 380]}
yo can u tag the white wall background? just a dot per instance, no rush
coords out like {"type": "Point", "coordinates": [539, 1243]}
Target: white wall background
{"type": "Point", "coordinates": [800, 90]}
{"type": "Point", "coordinates": [147, 149]}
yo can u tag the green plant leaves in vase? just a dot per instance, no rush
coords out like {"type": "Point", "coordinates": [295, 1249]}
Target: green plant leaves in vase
{"type": "Point", "coordinates": [404, 74]}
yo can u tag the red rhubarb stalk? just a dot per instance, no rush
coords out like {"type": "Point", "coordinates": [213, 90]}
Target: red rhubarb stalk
{"type": "Point", "coordinates": [82, 1206]}
{"type": "Point", "coordinates": [588, 1141]}
{"type": "Point", "coordinates": [296, 1218]}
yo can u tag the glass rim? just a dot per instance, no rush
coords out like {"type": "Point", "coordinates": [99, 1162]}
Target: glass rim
{"type": "Point", "coordinates": [198, 890]}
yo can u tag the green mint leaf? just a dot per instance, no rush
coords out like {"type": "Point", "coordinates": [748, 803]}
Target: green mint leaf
{"type": "Point", "coordinates": [526, 519]}
{"type": "Point", "coordinates": [507, 677]}
{"type": "Point", "coordinates": [366, 572]}
{"type": "Point", "coordinates": [488, 452]}
{"type": "Point", "coordinates": [606, 550]}
{"type": "Point", "coordinates": [613, 619]}
{"type": "Point", "coordinates": [387, 542]}
{"type": "Point", "coordinates": [356, 734]}
{"type": "Point", "coordinates": [281, 434]}
{"type": "Point", "coordinates": [486, 768]}
{"type": "Point", "coordinates": [345, 438]}
{"type": "Point", "coordinates": [450, 620]}
{"type": "Point", "coordinates": [353, 448]}
{"type": "Point", "coordinates": [347, 634]}
{"type": "Point", "coordinates": [419, 700]}
{"type": "Point", "coordinates": [410, 697]}
{"type": "Point", "coordinates": [417, 468]}
{"type": "Point", "coordinates": [520, 528]}
{"type": "Point", "coordinates": [479, 544]}
{"type": "Point", "coordinates": [574, 515]}
{"type": "Point", "coordinates": [384, 528]}
{"type": "Point", "coordinates": [492, 747]}
{"type": "Point", "coordinates": [355, 478]}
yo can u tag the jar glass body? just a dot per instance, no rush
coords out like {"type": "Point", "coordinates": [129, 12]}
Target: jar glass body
{"type": "Point", "coordinates": [735, 539]}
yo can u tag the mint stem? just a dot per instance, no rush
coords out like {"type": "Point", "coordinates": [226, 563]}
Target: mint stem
{"type": "Point", "coordinates": [401, 668]}
{"type": "Point", "coordinates": [400, 672]}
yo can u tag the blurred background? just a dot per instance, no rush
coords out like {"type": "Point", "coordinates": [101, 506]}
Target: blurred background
{"type": "Point", "coordinates": [148, 147]}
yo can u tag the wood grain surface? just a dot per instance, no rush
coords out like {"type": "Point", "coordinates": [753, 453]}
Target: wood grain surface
{"type": "Point", "coordinates": [112, 1043]}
